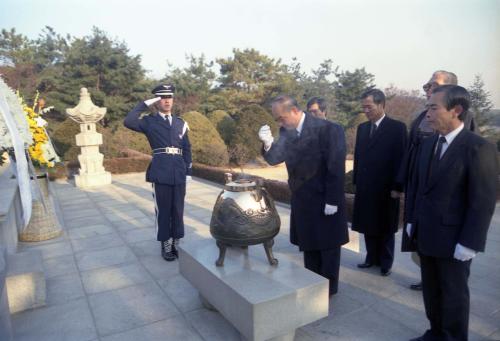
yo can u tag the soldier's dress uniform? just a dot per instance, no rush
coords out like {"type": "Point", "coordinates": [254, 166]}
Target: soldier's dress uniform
{"type": "Point", "coordinates": [171, 163]}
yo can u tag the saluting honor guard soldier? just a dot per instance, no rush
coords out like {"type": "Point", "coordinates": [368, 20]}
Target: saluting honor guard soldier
{"type": "Point", "coordinates": [170, 167]}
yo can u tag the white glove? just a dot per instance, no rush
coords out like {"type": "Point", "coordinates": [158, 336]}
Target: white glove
{"type": "Point", "coordinates": [189, 178]}
{"type": "Point", "coordinates": [330, 209]}
{"type": "Point", "coordinates": [409, 227]}
{"type": "Point", "coordinates": [463, 253]}
{"type": "Point", "coordinates": [266, 136]}
{"type": "Point", "coordinates": [151, 101]}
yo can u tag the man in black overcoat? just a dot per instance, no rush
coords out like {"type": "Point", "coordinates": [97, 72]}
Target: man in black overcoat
{"type": "Point", "coordinates": [379, 149]}
{"type": "Point", "coordinates": [314, 153]}
{"type": "Point", "coordinates": [457, 174]}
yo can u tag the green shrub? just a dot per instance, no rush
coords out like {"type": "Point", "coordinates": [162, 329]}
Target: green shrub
{"type": "Point", "coordinates": [248, 122]}
{"type": "Point", "coordinates": [121, 165]}
{"type": "Point", "coordinates": [278, 190]}
{"type": "Point", "coordinates": [206, 144]}
{"type": "Point", "coordinates": [64, 141]}
{"type": "Point", "coordinates": [224, 124]}
{"type": "Point", "coordinates": [121, 138]}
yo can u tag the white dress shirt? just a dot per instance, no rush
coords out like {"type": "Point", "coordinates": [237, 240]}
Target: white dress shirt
{"type": "Point", "coordinates": [377, 123]}
{"type": "Point", "coordinates": [301, 124]}
{"type": "Point", "coordinates": [449, 138]}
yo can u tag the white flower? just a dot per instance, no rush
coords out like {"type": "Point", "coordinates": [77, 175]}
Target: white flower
{"type": "Point", "coordinates": [40, 122]}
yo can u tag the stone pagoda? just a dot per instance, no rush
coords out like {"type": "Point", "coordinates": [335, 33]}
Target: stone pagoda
{"type": "Point", "coordinates": [87, 114]}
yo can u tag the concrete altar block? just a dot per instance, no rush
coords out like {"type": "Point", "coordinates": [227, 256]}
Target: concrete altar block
{"type": "Point", "coordinates": [25, 281]}
{"type": "Point", "coordinates": [261, 301]}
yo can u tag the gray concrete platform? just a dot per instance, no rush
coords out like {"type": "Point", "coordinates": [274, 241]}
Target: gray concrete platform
{"type": "Point", "coordinates": [252, 294]}
{"type": "Point", "coordinates": [107, 281]}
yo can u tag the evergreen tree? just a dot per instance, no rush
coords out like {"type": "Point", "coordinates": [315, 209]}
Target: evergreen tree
{"type": "Point", "coordinates": [480, 101]}
{"type": "Point", "coordinates": [349, 87]}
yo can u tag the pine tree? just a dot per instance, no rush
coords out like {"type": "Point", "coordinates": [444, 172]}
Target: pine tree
{"type": "Point", "coordinates": [480, 101]}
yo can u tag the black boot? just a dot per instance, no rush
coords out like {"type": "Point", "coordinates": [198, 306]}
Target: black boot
{"type": "Point", "coordinates": [174, 247]}
{"type": "Point", "coordinates": [167, 251]}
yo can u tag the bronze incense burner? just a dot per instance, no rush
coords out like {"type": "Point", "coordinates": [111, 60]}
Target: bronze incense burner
{"type": "Point", "coordinates": [244, 214]}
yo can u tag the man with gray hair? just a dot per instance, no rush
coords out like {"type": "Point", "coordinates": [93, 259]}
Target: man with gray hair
{"type": "Point", "coordinates": [420, 129]}
{"type": "Point", "coordinates": [315, 161]}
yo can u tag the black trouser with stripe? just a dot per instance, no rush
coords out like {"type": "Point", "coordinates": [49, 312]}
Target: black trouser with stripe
{"type": "Point", "coordinates": [169, 209]}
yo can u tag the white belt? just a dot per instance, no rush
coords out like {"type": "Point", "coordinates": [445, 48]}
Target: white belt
{"type": "Point", "coordinates": [168, 150]}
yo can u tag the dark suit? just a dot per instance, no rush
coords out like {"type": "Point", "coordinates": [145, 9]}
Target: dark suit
{"type": "Point", "coordinates": [315, 163]}
{"type": "Point", "coordinates": [407, 177]}
{"type": "Point", "coordinates": [167, 172]}
{"type": "Point", "coordinates": [377, 160]}
{"type": "Point", "coordinates": [452, 205]}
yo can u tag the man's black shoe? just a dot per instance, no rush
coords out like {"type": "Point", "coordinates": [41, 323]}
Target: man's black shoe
{"type": "Point", "coordinates": [385, 272]}
{"type": "Point", "coordinates": [167, 251]}
{"type": "Point", "coordinates": [169, 256]}
{"type": "Point", "coordinates": [365, 265]}
{"type": "Point", "coordinates": [416, 287]}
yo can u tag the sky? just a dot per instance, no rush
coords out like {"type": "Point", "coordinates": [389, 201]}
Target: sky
{"type": "Point", "coordinates": [401, 42]}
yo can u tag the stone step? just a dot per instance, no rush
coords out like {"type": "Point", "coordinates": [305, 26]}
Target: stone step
{"type": "Point", "coordinates": [5, 322]}
{"type": "Point", "coordinates": [25, 281]}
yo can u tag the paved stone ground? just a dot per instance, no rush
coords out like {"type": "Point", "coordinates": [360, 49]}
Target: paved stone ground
{"type": "Point", "coordinates": [106, 280]}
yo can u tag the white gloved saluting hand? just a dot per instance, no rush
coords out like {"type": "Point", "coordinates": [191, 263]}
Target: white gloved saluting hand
{"type": "Point", "coordinates": [330, 209]}
{"type": "Point", "coordinates": [266, 136]}
{"type": "Point", "coordinates": [151, 101]}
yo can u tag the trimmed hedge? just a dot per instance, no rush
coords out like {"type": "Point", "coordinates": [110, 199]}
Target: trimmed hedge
{"type": "Point", "coordinates": [206, 144]}
{"type": "Point", "coordinates": [279, 190]}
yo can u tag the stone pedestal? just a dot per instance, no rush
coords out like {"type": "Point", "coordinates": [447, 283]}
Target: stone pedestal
{"type": "Point", "coordinates": [261, 301]}
{"type": "Point", "coordinates": [92, 172]}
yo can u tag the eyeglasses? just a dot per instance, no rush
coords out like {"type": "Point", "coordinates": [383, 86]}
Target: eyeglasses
{"type": "Point", "coordinates": [428, 86]}
{"type": "Point", "coordinates": [167, 96]}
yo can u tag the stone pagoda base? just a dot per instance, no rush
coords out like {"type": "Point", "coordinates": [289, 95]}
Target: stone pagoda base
{"type": "Point", "coordinates": [87, 180]}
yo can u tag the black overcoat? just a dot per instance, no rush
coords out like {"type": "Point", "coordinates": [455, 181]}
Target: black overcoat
{"type": "Point", "coordinates": [315, 163]}
{"type": "Point", "coordinates": [407, 178]}
{"type": "Point", "coordinates": [377, 160]}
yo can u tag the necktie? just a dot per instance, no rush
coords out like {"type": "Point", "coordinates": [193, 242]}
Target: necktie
{"type": "Point", "coordinates": [439, 149]}
{"type": "Point", "coordinates": [437, 155]}
{"type": "Point", "coordinates": [168, 119]}
{"type": "Point", "coordinates": [373, 128]}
